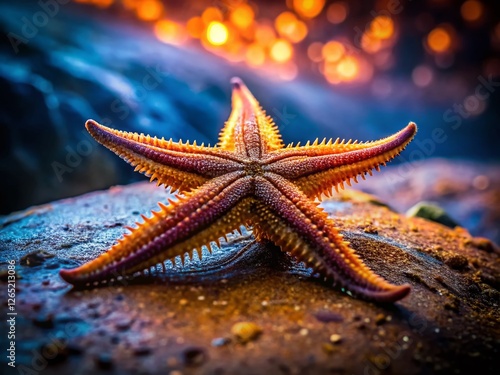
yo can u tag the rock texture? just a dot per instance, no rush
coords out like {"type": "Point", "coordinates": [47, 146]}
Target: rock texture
{"type": "Point", "coordinates": [248, 308]}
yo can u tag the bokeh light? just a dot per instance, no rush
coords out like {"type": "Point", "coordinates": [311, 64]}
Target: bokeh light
{"type": "Point", "coordinates": [241, 33]}
{"type": "Point", "coordinates": [242, 16]}
{"type": "Point", "coordinates": [281, 50]}
{"type": "Point", "coordinates": [149, 10]}
{"type": "Point", "coordinates": [169, 32]}
{"type": "Point", "coordinates": [308, 8]}
{"type": "Point", "coordinates": [217, 33]}
{"type": "Point", "coordinates": [471, 10]}
{"type": "Point", "coordinates": [333, 51]}
{"type": "Point", "coordinates": [422, 76]}
{"type": "Point", "coordinates": [439, 39]}
{"type": "Point", "coordinates": [337, 12]}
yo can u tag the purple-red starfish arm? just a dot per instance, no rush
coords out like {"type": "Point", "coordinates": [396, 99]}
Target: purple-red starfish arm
{"type": "Point", "coordinates": [290, 220]}
{"type": "Point", "coordinates": [214, 210]}
{"type": "Point", "coordinates": [316, 171]}
{"type": "Point", "coordinates": [182, 166]}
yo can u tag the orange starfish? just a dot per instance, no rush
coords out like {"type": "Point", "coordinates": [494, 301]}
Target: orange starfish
{"type": "Point", "coordinates": [249, 178]}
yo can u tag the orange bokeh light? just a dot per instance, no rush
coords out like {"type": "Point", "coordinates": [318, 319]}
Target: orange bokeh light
{"type": "Point", "coordinates": [370, 44]}
{"type": "Point", "coordinates": [281, 50]}
{"type": "Point", "coordinates": [333, 51]}
{"type": "Point", "coordinates": [337, 12]}
{"type": "Point", "coordinates": [211, 14]}
{"type": "Point", "coordinates": [217, 33]}
{"type": "Point", "coordinates": [308, 8]}
{"type": "Point", "coordinates": [265, 34]}
{"type": "Point", "coordinates": [471, 10]}
{"type": "Point", "coordinates": [290, 27]}
{"type": "Point", "coordinates": [439, 40]}
{"type": "Point", "coordinates": [314, 51]}
{"type": "Point", "coordinates": [382, 27]}
{"type": "Point", "coordinates": [149, 10]}
{"type": "Point", "coordinates": [348, 68]}
{"type": "Point", "coordinates": [242, 16]}
{"type": "Point", "coordinates": [169, 32]}
{"type": "Point", "coordinates": [255, 54]}
{"type": "Point", "coordinates": [195, 27]}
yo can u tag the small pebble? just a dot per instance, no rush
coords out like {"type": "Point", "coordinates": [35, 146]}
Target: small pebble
{"type": "Point", "coordinates": [380, 319]}
{"type": "Point", "coordinates": [104, 361]}
{"type": "Point", "coordinates": [194, 356]}
{"type": "Point", "coordinates": [141, 350]}
{"type": "Point", "coordinates": [326, 316]}
{"type": "Point", "coordinates": [246, 331]}
{"type": "Point", "coordinates": [328, 348]}
{"type": "Point", "coordinates": [335, 338]}
{"type": "Point", "coordinates": [304, 332]}
{"type": "Point", "coordinates": [220, 341]}
{"type": "Point", "coordinates": [44, 321]}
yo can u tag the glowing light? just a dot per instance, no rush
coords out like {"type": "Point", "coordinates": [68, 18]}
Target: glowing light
{"type": "Point", "coordinates": [217, 33]}
{"type": "Point", "coordinates": [439, 40]}
{"type": "Point", "coordinates": [265, 35]}
{"type": "Point", "coordinates": [422, 76]}
{"type": "Point", "coordinates": [299, 32]}
{"type": "Point", "coordinates": [149, 10]}
{"type": "Point", "coordinates": [255, 54]}
{"type": "Point", "coordinates": [348, 68]}
{"type": "Point", "coordinates": [290, 27]}
{"type": "Point", "coordinates": [370, 44]}
{"type": "Point", "coordinates": [281, 50]}
{"type": "Point", "coordinates": [382, 27]}
{"type": "Point", "coordinates": [169, 32]}
{"type": "Point", "coordinates": [337, 13]}
{"type": "Point", "coordinates": [314, 51]}
{"type": "Point", "coordinates": [333, 51]}
{"type": "Point", "coordinates": [242, 16]}
{"type": "Point", "coordinates": [195, 27]}
{"type": "Point", "coordinates": [211, 14]}
{"type": "Point", "coordinates": [308, 8]}
{"type": "Point", "coordinates": [330, 72]}
{"type": "Point", "coordinates": [471, 10]}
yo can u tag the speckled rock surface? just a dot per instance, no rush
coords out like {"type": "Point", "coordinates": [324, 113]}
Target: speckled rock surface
{"type": "Point", "coordinates": [192, 320]}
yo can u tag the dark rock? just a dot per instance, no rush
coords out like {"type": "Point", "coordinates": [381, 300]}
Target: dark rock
{"type": "Point", "coordinates": [433, 212]}
{"type": "Point", "coordinates": [327, 316]}
{"type": "Point", "coordinates": [44, 321]}
{"type": "Point", "coordinates": [243, 274]}
{"type": "Point", "coordinates": [457, 262]}
{"type": "Point", "coordinates": [104, 361]}
{"type": "Point", "coordinates": [35, 258]}
{"type": "Point", "coordinates": [194, 356]}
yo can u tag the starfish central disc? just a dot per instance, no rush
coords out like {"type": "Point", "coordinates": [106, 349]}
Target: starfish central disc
{"type": "Point", "coordinates": [249, 178]}
{"type": "Point", "coordinates": [253, 168]}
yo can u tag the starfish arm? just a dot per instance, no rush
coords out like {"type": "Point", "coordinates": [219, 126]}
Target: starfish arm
{"type": "Point", "coordinates": [315, 175]}
{"type": "Point", "coordinates": [329, 147]}
{"type": "Point", "coordinates": [248, 130]}
{"type": "Point", "coordinates": [288, 218]}
{"type": "Point", "coordinates": [182, 166]}
{"type": "Point", "coordinates": [206, 214]}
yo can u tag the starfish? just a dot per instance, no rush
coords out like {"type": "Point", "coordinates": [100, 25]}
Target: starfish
{"type": "Point", "coordinates": [249, 178]}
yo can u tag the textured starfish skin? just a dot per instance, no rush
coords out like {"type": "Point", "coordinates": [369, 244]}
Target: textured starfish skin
{"type": "Point", "coordinates": [248, 178]}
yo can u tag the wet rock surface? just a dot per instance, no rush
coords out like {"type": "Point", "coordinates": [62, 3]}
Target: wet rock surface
{"type": "Point", "coordinates": [183, 321]}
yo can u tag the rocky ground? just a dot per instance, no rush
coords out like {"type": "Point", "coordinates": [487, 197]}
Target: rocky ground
{"type": "Point", "coordinates": [248, 308]}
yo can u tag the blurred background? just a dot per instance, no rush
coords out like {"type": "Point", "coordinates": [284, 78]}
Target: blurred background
{"type": "Point", "coordinates": [348, 69]}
